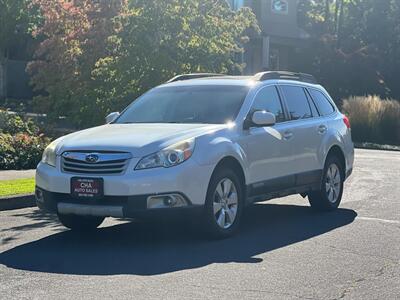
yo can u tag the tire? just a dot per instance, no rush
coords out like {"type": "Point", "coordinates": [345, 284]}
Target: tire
{"type": "Point", "coordinates": [81, 223]}
{"type": "Point", "coordinates": [331, 190]}
{"type": "Point", "coordinates": [219, 223]}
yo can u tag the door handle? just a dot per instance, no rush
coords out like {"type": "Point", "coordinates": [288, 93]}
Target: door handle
{"type": "Point", "coordinates": [287, 135]}
{"type": "Point", "coordinates": [322, 129]}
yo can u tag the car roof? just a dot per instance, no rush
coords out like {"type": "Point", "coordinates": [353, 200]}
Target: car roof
{"type": "Point", "coordinates": [250, 81]}
{"type": "Point", "coordinates": [221, 80]}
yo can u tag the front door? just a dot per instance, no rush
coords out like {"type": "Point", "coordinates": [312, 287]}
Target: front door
{"type": "Point", "coordinates": [268, 149]}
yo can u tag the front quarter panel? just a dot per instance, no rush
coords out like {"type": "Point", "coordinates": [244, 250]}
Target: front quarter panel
{"type": "Point", "coordinates": [211, 149]}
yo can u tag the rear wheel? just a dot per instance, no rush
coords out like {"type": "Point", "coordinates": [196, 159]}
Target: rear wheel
{"type": "Point", "coordinates": [83, 223]}
{"type": "Point", "coordinates": [224, 204]}
{"type": "Point", "coordinates": [330, 194]}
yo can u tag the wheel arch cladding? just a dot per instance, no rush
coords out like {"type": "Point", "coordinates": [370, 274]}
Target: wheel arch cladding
{"type": "Point", "coordinates": [233, 164]}
{"type": "Point", "coordinates": [336, 151]}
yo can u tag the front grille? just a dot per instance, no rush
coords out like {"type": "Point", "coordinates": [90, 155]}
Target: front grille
{"type": "Point", "coordinates": [94, 163]}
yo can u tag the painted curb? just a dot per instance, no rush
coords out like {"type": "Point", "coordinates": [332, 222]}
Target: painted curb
{"type": "Point", "coordinates": [17, 201]}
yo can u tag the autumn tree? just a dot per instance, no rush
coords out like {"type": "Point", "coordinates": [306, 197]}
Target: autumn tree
{"type": "Point", "coordinates": [75, 36]}
{"type": "Point", "coordinates": [98, 56]}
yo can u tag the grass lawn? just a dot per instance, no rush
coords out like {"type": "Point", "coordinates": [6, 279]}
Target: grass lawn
{"type": "Point", "coordinates": [17, 186]}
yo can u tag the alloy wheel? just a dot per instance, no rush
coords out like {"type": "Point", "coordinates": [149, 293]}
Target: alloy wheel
{"type": "Point", "coordinates": [225, 203]}
{"type": "Point", "coordinates": [333, 183]}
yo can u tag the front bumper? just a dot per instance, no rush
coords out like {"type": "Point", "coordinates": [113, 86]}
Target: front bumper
{"type": "Point", "coordinates": [125, 195]}
{"type": "Point", "coordinates": [108, 206]}
{"type": "Point", "coordinates": [188, 178]}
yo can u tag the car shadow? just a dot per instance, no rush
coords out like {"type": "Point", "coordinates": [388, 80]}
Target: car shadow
{"type": "Point", "coordinates": [158, 248]}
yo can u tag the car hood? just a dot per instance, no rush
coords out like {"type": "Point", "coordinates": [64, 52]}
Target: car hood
{"type": "Point", "coordinates": [138, 139]}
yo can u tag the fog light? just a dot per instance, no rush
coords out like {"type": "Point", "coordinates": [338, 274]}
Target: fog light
{"type": "Point", "coordinates": [166, 201]}
{"type": "Point", "coordinates": [39, 196]}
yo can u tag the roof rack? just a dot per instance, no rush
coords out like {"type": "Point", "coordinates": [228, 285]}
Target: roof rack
{"type": "Point", "coordinates": [193, 76]}
{"type": "Point", "coordinates": [285, 75]}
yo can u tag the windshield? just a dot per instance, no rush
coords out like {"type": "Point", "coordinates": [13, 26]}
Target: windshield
{"type": "Point", "coordinates": [186, 104]}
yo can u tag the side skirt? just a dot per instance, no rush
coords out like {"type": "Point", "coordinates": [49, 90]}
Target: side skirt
{"type": "Point", "coordinates": [301, 183]}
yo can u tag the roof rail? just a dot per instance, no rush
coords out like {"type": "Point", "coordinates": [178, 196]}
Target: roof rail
{"type": "Point", "coordinates": [262, 76]}
{"type": "Point", "coordinates": [193, 76]}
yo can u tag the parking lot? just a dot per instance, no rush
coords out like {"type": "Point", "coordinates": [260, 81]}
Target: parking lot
{"type": "Point", "coordinates": [283, 251]}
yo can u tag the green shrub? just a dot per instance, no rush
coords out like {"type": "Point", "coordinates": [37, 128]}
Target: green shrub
{"type": "Point", "coordinates": [374, 119]}
{"type": "Point", "coordinates": [13, 124]}
{"type": "Point", "coordinates": [21, 144]}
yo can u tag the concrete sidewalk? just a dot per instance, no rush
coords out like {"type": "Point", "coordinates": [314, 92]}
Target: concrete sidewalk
{"type": "Point", "coordinates": [12, 174]}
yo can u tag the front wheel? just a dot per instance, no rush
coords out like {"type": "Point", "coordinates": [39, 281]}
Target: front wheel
{"type": "Point", "coordinates": [330, 194]}
{"type": "Point", "coordinates": [224, 204]}
{"type": "Point", "coordinates": [81, 223]}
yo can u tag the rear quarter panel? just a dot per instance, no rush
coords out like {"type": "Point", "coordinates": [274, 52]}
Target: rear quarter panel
{"type": "Point", "coordinates": [338, 134]}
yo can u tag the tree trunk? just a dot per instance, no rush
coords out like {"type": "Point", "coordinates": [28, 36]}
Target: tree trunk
{"type": "Point", "coordinates": [327, 15]}
{"type": "Point", "coordinates": [337, 5]}
{"type": "Point", "coordinates": [340, 24]}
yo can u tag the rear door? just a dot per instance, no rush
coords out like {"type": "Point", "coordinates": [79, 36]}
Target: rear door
{"type": "Point", "coordinates": [307, 130]}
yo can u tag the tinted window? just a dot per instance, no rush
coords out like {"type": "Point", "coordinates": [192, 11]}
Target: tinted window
{"type": "Point", "coordinates": [297, 102]}
{"type": "Point", "coordinates": [268, 99]}
{"type": "Point", "coordinates": [186, 104]}
{"type": "Point", "coordinates": [324, 105]}
{"type": "Point", "coordinates": [312, 105]}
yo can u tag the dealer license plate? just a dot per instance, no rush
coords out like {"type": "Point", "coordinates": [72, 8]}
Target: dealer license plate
{"type": "Point", "coordinates": [87, 187]}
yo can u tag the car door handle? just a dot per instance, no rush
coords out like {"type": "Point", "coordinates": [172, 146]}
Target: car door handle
{"type": "Point", "coordinates": [322, 129]}
{"type": "Point", "coordinates": [287, 135]}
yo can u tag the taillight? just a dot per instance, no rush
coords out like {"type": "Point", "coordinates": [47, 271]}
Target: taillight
{"type": "Point", "coordinates": [346, 121]}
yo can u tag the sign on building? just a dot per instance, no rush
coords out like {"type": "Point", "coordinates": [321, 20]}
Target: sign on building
{"type": "Point", "coordinates": [280, 6]}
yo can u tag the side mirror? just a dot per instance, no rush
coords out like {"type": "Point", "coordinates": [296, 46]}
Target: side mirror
{"type": "Point", "coordinates": [112, 117]}
{"type": "Point", "coordinates": [261, 119]}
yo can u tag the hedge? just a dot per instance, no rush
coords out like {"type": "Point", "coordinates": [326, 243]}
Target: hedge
{"type": "Point", "coordinates": [21, 143]}
{"type": "Point", "coordinates": [373, 119]}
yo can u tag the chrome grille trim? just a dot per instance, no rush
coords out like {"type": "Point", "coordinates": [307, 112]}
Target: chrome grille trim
{"type": "Point", "coordinates": [104, 163]}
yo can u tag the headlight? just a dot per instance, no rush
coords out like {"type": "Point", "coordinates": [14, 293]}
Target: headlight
{"type": "Point", "coordinates": [49, 154]}
{"type": "Point", "coordinates": [168, 157]}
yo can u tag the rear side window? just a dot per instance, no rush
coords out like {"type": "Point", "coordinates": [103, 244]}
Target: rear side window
{"type": "Point", "coordinates": [297, 102]}
{"type": "Point", "coordinates": [268, 99]}
{"type": "Point", "coordinates": [324, 105]}
{"type": "Point", "coordinates": [312, 105]}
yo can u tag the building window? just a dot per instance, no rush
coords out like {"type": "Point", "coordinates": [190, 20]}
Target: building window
{"type": "Point", "coordinates": [280, 6]}
{"type": "Point", "coordinates": [236, 4]}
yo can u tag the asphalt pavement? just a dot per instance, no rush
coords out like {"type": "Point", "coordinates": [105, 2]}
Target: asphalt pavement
{"type": "Point", "coordinates": [283, 250]}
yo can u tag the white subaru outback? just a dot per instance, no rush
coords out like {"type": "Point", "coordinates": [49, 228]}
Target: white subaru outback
{"type": "Point", "coordinates": [202, 143]}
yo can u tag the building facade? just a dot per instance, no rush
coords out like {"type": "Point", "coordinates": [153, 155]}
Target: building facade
{"type": "Point", "coordinates": [280, 35]}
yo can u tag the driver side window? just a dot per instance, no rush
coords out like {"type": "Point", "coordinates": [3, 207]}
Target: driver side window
{"type": "Point", "coordinates": [268, 99]}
